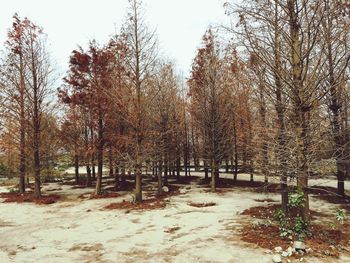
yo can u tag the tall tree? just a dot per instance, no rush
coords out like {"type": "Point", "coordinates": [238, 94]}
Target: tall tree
{"type": "Point", "coordinates": [209, 105]}
{"type": "Point", "coordinates": [90, 85]}
{"type": "Point", "coordinates": [29, 73]}
{"type": "Point", "coordinates": [142, 46]}
{"type": "Point", "coordinates": [14, 73]}
{"type": "Point", "coordinates": [335, 33]}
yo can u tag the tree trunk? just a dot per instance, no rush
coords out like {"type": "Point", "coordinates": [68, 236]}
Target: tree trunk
{"type": "Point", "coordinates": [186, 160]}
{"type": "Point", "coordinates": [76, 167]}
{"type": "Point", "coordinates": [123, 181]}
{"type": "Point", "coordinates": [88, 175]}
{"type": "Point", "coordinates": [22, 166]}
{"type": "Point", "coordinates": [213, 176]}
{"type": "Point", "coordinates": [335, 108]}
{"type": "Point", "coordinates": [206, 175]}
{"type": "Point", "coordinates": [279, 106]}
{"type": "Point", "coordinates": [178, 164]}
{"type": "Point", "coordinates": [99, 156]}
{"type": "Point", "coordinates": [116, 176]}
{"type": "Point", "coordinates": [166, 170]}
{"type": "Point", "coordinates": [36, 130]}
{"type": "Point", "coordinates": [93, 166]}
{"type": "Point", "coordinates": [160, 178]}
{"type": "Point", "coordinates": [93, 156]}
{"type": "Point", "coordinates": [251, 169]}
{"type": "Point", "coordinates": [138, 184]}
{"type": "Point", "coordinates": [301, 109]}
{"type": "Point", "coordinates": [87, 157]}
{"type": "Point", "coordinates": [235, 171]}
{"type": "Point", "coordinates": [110, 162]}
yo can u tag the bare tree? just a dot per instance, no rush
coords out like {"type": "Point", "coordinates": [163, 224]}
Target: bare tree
{"type": "Point", "coordinates": [210, 105]}
{"type": "Point", "coordinates": [141, 61]}
{"type": "Point", "coordinates": [335, 33]}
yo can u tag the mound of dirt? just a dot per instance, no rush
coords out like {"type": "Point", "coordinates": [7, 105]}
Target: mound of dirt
{"type": "Point", "coordinates": [104, 195]}
{"type": "Point", "coordinates": [149, 204]}
{"type": "Point", "coordinates": [30, 198]}
{"type": "Point", "coordinates": [324, 241]}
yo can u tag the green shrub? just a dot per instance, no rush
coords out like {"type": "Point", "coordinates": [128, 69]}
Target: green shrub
{"type": "Point", "coordinates": [291, 225]}
{"type": "Point", "coordinates": [340, 215]}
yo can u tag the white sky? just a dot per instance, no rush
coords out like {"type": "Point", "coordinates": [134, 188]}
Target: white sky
{"type": "Point", "coordinates": [180, 24]}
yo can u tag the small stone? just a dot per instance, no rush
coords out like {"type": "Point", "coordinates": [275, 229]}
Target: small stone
{"type": "Point", "coordinates": [277, 258]}
{"type": "Point", "coordinates": [288, 261]}
{"type": "Point", "coordinates": [285, 254]}
{"type": "Point", "coordinates": [332, 247]}
{"type": "Point", "coordinates": [278, 249]}
{"type": "Point", "coordinates": [301, 260]}
{"type": "Point", "coordinates": [183, 191]}
{"type": "Point", "coordinates": [268, 251]}
{"type": "Point", "coordinates": [165, 189]}
{"type": "Point", "coordinates": [298, 245]}
{"type": "Point", "coordinates": [309, 250]}
{"type": "Point", "coordinates": [290, 251]}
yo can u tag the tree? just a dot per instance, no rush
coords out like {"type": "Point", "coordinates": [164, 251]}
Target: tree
{"type": "Point", "coordinates": [335, 32]}
{"type": "Point", "coordinates": [90, 84]}
{"type": "Point", "coordinates": [297, 74]}
{"type": "Point", "coordinates": [209, 104]}
{"type": "Point", "coordinates": [72, 132]}
{"type": "Point", "coordinates": [165, 123]}
{"type": "Point", "coordinates": [28, 72]}
{"type": "Point", "coordinates": [142, 46]}
{"type": "Point", "coordinates": [14, 72]}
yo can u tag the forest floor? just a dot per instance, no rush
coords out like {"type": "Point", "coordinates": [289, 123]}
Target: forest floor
{"type": "Point", "coordinates": [190, 224]}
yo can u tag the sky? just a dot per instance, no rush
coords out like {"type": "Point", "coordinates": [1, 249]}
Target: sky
{"type": "Point", "coordinates": [180, 24]}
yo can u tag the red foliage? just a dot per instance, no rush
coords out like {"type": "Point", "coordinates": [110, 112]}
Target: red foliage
{"type": "Point", "coordinates": [153, 203]}
{"type": "Point", "coordinates": [29, 197]}
{"type": "Point", "coordinates": [106, 195]}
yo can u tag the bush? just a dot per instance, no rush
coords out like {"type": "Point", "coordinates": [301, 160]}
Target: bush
{"type": "Point", "coordinates": [290, 224]}
{"type": "Point", "coordinates": [340, 215]}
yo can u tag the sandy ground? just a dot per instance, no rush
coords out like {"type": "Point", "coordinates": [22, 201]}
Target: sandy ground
{"type": "Point", "coordinates": [75, 230]}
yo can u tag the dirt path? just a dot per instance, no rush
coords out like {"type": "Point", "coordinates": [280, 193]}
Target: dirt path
{"type": "Point", "coordinates": [79, 230]}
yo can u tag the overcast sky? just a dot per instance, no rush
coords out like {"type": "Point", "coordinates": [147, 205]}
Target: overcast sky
{"type": "Point", "coordinates": [180, 24]}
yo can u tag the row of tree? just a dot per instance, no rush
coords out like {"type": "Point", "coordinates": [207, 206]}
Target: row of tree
{"type": "Point", "coordinates": [299, 55]}
{"type": "Point", "coordinates": [273, 101]}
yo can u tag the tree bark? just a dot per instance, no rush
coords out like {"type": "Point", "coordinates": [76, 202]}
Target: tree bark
{"type": "Point", "coordinates": [116, 176]}
{"type": "Point", "coordinates": [76, 167]}
{"type": "Point", "coordinates": [166, 170]}
{"type": "Point", "coordinates": [213, 176]}
{"type": "Point", "coordinates": [88, 175]}
{"type": "Point", "coordinates": [301, 109]}
{"type": "Point", "coordinates": [235, 171]}
{"type": "Point", "coordinates": [110, 162]}
{"type": "Point", "coordinates": [99, 155]}
{"type": "Point", "coordinates": [160, 190]}
{"type": "Point", "coordinates": [206, 175]}
{"type": "Point", "coordinates": [22, 166]}
{"type": "Point", "coordinates": [36, 128]}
